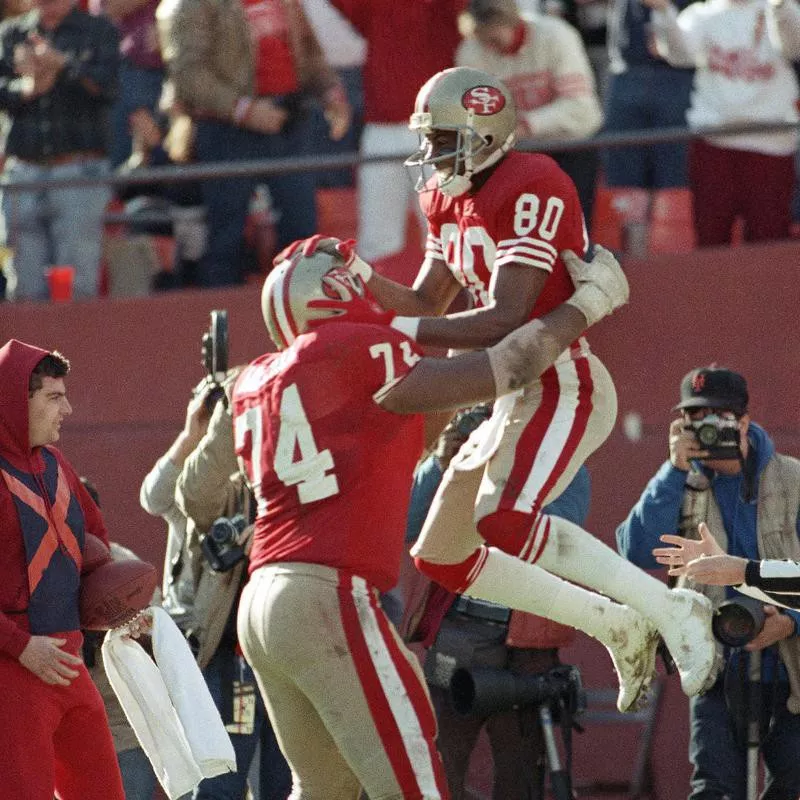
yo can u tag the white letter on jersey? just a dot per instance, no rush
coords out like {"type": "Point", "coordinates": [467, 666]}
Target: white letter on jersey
{"type": "Point", "coordinates": [251, 421]}
{"type": "Point", "coordinates": [526, 216]}
{"type": "Point", "coordinates": [308, 473]}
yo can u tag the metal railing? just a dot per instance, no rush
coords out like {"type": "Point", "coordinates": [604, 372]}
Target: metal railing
{"type": "Point", "coordinates": [319, 163]}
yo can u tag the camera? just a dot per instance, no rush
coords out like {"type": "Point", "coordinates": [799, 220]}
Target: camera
{"type": "Point", "coordinates": [738, 621]}
{"type": "Point", "coordinates": [215, 357]}
{"type": "Point", "coordinates": [718, 435]}
{"type": "Point", "coordinates": [486, 690]}
{"type": "Point", "coordinates": [221, 544]}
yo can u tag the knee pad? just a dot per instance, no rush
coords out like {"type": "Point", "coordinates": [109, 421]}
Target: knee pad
{"type": "Point", "coordinates": [521, 535]}
{"type": "Point", "coordinates": [454, 577]}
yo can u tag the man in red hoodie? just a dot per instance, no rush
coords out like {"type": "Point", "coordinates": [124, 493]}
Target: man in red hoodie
{"type": "Point", "coordinates": [54, 732]}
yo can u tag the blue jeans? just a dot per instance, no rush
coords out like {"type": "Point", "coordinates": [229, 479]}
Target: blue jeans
{"type": "Point", "coordinates": [647, 98]}
{"type": "Point", "coordinates": [719, 757]}
{"type": "Point", "coordinates": [227, 200]}
{"type": "Point", "coordinates": [275, 778]}
{"type": "Point", "coordinates": [138, 88]}
{"type": "Point", "coordinates": [53, 226]}
{"type": "Point", "coordinates": [138, 778]}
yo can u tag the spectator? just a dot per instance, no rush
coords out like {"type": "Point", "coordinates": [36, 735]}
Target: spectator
{"type": "Point", "coordinates": [747, 494]}
{"type": "Point", "coordinates": [245, 72]}
{"type": "Point", "coordinates": [742, 51]}
{"type": "Point", "coordinates": [475, 633]}
{"type": "Point", "coordinates": [644, 93]}
{"type": "Point", "coordinates": [58, 74]}
{"type": "Point", "coordinates": [179, 203]}
{"type": "Point", "coordinates": [498, 221]}
{"type": "Point", "coordinates": [542, 61]}
{"type": "Point", "coordinates": [210, 486]}
{"type": "Point", "coordinates": [141, 70]}
{"type": "Point", "coordinates": [53, 723]}
{"type": "Point", "coordinates": [345, 50]}
{"type": "Point", "coordinates": [314, 425]}
{"type": "Point", "coordinates": [406, 43]}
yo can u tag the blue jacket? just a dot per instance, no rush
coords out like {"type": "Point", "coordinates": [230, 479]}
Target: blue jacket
{"type": "Point", "coordinates": [659, 507]}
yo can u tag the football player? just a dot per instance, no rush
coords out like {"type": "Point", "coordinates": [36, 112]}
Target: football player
{"type": "Point", "coordinates": [498, 221]}
{"type": "Point", "coordinates": [329, 433]}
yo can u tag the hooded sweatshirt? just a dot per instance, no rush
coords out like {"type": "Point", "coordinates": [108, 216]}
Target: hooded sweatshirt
{"type": "Point", "coordinates": [45, 513]}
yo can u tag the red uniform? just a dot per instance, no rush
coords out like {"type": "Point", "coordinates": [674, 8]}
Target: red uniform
{"type": "Point", "coordinates": [527, 212]}
{"type": "Point", "coordinates": [329, 455]}
{"type": "Point", "coordinates": [331, 471]}
{"type": "Point", "coordinates": [53, 738]}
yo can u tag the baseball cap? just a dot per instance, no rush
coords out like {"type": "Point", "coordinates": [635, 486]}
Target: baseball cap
{"type": "Point", "coordinates": [714, 387]}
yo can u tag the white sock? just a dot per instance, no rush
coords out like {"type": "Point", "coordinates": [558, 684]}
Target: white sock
{"type": "Point", "coordinates": [507, 580]}
{"type": "Point", "coordinates": [576, 555]}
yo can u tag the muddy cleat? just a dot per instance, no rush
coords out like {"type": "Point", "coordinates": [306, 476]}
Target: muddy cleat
{"type": "Point", "coordinates": [633, 648]}
{"type": "Point", "coordinates": [689, 638]}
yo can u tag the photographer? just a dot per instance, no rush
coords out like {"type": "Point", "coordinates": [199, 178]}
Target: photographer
{"type": "Point", "coordinates": [723, 471]}
{"type": "Point", "coordinates": [467, 633]}
{"type": "Point", "coordinates": [216, 501]}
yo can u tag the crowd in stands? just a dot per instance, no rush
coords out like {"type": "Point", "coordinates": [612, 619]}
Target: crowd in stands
{"type": "Point", "coordinates": [96, 86]}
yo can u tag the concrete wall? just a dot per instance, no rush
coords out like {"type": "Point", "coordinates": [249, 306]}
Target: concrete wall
{"type": "Point", "coordinates": [135, 361]}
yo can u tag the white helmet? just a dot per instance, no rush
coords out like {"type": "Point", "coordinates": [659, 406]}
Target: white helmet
{"type": "Point", "coordinates": [479, 108]}
{"type": "Point", "coordinates": [294, 283]}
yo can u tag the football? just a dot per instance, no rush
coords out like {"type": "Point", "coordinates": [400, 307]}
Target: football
{"type": "Point", "coordinates": [115, 593]}
{"type": "Point", "coordinates": [95, 554]}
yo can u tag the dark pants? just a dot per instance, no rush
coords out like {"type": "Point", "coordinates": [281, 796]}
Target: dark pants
{"type": "Point", "coordinates": [227, 200]}
{"type": "Point", "coordinates": [515, 736]}
{"type": "Point", "coordinates": [728, 183]}
{"type": "Point", "coordinates": [719, 757]}
{"type": "Point", "coordinates": [275, 779]}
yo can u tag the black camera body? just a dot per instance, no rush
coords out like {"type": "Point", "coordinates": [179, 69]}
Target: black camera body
{"type": "Point", "coordinates": [221, 544]}
{"type": "Point", "coordinates": [738, 621]}
{"type": "Point", "coordinates": [488, 690]}
{"type": "Point", "coordinates": [215, 357]}
{"type": "Point", "coordinates": [718, 435]}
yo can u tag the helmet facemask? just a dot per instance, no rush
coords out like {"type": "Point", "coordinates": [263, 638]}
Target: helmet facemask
{"type": "Point", "coordinates": [454, 168]}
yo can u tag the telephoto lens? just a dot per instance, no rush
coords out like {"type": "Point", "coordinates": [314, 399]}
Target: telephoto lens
{"type": "Point", "coordinates": [738, 621]}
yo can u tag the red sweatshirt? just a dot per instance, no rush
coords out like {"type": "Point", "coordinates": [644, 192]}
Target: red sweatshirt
{"type": "Point", "coordinates": [45, 513]}
{"type": "Point", "coordinates": [407, 43]}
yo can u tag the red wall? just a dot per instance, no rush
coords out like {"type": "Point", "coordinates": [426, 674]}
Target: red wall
{"type": "Point", "coordinates": [134, 362]}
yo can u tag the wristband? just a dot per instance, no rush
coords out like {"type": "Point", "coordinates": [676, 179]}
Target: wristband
{"type": "Point", "coordinates": [407, 325]}
{"type": "Point", "coordinates": [242, 109]}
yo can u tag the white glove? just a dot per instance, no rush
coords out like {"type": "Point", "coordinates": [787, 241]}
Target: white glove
{"type": "Point", "coordinates": [600, 284]}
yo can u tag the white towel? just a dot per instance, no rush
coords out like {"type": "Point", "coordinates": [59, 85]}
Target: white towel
{"type": "Point", "coordinates": [169, 706]}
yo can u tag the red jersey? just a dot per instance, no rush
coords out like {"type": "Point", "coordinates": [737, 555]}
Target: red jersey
{"type": "Point", "coordinates": [330, 468]}
{"type": "Point", "coordinates": [527, 212]}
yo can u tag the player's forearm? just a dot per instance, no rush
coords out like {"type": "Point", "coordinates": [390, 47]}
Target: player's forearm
{"type": "Point", "coordinates": [406, 301]}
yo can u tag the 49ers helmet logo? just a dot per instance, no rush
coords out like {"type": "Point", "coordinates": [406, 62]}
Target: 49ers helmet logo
{"type": "Point", "coordinates": [483, 100]}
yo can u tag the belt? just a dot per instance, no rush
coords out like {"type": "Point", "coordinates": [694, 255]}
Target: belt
{"type": "Point", "coordinates": [481, 609]}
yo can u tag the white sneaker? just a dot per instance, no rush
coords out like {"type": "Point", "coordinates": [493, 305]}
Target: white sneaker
{"type": "Point", "coordinates": [689, 638]}
{"type": "Point", "coordinates": [633, 647]}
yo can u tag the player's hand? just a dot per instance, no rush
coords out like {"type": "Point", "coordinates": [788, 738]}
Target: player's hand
{"type": "Point", "coordinates": [683, 446]}
{"type": "Point", "coordinates": [44, 657]}
{"type": "Point", "coordinates": [140, 625]}
{"type": "Point", "coordinates": [684, 551]}
{"type": "Point", "coordinates": [600, 284]}
{"type": "Point", "coordinates": [341, 248]}
{"type": "Point", "coordinates": [358, 309]}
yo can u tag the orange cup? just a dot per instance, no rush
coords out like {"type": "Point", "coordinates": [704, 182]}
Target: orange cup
{"type": "Point", "coordinates": [60, 279]}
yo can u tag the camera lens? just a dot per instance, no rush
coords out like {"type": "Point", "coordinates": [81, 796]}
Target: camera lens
{"type": "Point", "coordinates": [737, 622]}
{"type": "Point", "coordinates": [707, 435]}
{"type": "Point", "coordinates": [223, 531]}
